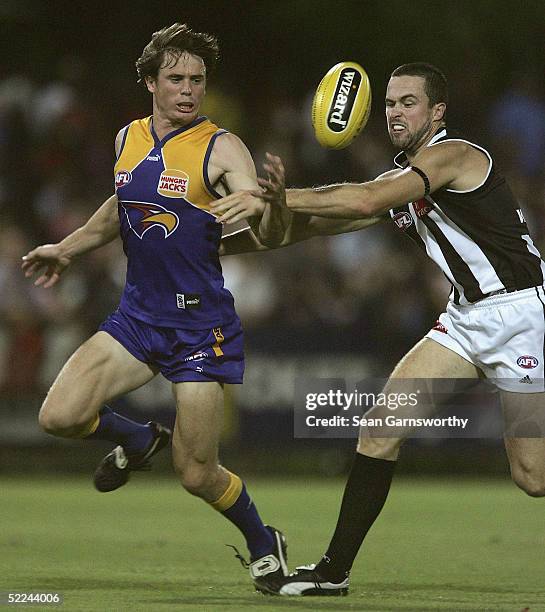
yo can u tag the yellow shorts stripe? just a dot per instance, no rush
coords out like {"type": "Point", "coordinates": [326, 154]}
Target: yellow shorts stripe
{"type": "Point", "coordinates": [219, 339]}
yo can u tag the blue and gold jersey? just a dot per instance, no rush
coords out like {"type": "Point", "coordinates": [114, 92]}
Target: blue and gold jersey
{"type": "Point", "coordinates": [171, 240]}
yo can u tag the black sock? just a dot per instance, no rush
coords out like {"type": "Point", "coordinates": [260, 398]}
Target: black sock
{"type": "Point", "coordinates": [364, 496]}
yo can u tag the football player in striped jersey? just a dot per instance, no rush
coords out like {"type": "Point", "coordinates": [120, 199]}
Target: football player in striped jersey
{"type": "Point", "coordinates": [445, 193]}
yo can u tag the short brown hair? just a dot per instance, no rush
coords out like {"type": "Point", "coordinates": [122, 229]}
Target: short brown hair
{"type": "Point", "coordinates": [169, 43]}
{"type": "Point", "coordinates": [436, 86]}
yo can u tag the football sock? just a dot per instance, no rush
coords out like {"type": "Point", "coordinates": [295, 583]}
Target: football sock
{"type": "Point", "coordinates": [236, 505]}
{"type": "Point", "coordinates": [133, 437]}
{"type": "Point", "coordinates": [364, 496]}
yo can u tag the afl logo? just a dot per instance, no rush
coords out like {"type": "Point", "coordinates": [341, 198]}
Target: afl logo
{"type": "Point", "coordinates": [343, 99]}
{"type": "Point", "coordinates": [527, 362]}
{"type": "Point", "coordinates": [403, 220]}
{"type": "Point", "coordinates": [122, 178]}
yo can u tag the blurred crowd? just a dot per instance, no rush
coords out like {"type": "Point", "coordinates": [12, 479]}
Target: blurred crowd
{"type": "Point", "coordinates": [370, 292]}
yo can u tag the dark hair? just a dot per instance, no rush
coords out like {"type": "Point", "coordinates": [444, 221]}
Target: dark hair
{"type": "Point", "coordinates": [435, 85]}
{"type": "Point", "coordinates": [169, 43]}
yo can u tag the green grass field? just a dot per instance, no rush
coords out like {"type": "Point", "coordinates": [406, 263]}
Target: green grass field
{"type": "Point", "coordinates": [439, 545]}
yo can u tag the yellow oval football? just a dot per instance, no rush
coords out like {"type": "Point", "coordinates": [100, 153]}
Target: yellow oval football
{"type": "Point", "coordinates": [341, 105]}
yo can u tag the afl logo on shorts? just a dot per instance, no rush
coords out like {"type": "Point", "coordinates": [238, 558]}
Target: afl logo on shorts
{"type": "Point", "coordinates": [122, 178]}
{"type": "Point", "coordinates": [527, 362]}
{"type": "Point", "coordinates": [403, 220]}
{"type": "Point", "coordinates": [173, 184]}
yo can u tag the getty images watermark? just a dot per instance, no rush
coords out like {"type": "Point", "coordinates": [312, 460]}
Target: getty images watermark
{"type": "Point", "coordinates": [355, 399]}
{"type": "Point", "coordinates": [424, 408]}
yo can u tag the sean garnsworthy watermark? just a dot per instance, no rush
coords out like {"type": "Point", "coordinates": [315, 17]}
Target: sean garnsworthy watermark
{"type": "Point", "coordinates": [445, 408]}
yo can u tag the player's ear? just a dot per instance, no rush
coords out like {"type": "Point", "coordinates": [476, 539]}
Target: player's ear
{"type": "Point", "coordinates": [150, 84]}
{"type": "Point", "coordinates": [439, 110]}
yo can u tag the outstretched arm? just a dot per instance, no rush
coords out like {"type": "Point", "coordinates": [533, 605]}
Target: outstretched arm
{"type": "Point", "coordinates": [453, 164]}
{"type": "Point", "coordinates": [300, 227]}
{"type": "Point", "coordinates": [100, 229]}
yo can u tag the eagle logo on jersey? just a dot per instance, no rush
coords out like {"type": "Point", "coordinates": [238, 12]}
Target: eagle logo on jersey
{"type": "Point", "coordinates": [142, 217]}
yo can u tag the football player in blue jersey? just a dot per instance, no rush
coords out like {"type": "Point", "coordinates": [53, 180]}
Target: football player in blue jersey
{"type": "Point", "coordinates": [448, 196]}
{"type": "Point", "coordinates": [175, 316]}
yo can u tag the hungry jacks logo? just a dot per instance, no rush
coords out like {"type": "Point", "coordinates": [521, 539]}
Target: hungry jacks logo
{"type": "Point", "coordinates": [173, 184]}
{"type": "Point", "coordinates": [142, 217]}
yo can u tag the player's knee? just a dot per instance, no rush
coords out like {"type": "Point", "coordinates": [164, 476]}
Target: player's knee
{"type": "Point", "coordinates": [51, 422]}
{"type": "Point", "coordinates": [195, 477]}
{"type": "Point", "coordinates": [533, 488]}
{"type": "Point", "coordinates": [380, 448]}
{"type": "Point", "coordinates": [531, 482]}
{"type": "Point", "coordinates": [56, 422]}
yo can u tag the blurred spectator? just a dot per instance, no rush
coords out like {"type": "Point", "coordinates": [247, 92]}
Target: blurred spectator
{"type": "Point", "coordinates": [517, 123]}
{"type": "Point", "coordinates": [21, 324]}
{"type": "Point", "coordinates": [517, 120]}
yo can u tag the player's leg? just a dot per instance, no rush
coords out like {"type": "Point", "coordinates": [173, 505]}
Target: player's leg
{"type": "Point", "coordinates": [195, 438]}
{"type": "Point", "coordinates": [371, 474]}
{"type": "Point", "coordinates": [524, 415]}
{"type": "Point", "coordinates": [100, 370]}
{"type": "Point", "coordinates": [426, 364]}
{"type": "Point", "coordinates": [195, 444]}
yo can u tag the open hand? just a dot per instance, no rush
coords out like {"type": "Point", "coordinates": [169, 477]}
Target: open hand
{"type": "Point", "coordinates": [274, 186]}
{"type": "Point", "coordinates": [237, 206]}
{"type": "Point", "coordinates": [48, 260]}
{"type": "Point", "coordinates": [245, 204]}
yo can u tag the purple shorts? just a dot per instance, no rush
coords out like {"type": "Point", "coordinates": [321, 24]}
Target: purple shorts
{"type": "Point", "coordinates": [182, 355]}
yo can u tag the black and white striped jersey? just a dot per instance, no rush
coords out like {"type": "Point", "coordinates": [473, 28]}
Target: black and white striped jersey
{"type": "Point", "coordinates": [478, 237]}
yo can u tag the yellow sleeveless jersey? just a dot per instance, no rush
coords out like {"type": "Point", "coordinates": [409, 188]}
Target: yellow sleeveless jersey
{"type": "Point", "coordinates": [171, 239]}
